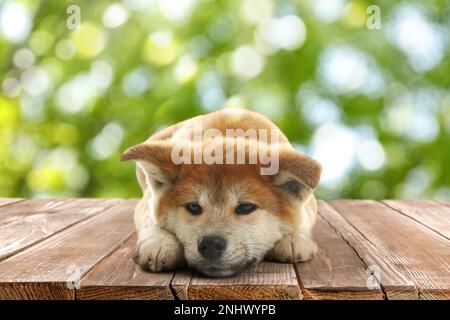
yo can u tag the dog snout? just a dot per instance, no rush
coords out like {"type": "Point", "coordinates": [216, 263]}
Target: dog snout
{"type": "Point", "coordinates": [212, 247]}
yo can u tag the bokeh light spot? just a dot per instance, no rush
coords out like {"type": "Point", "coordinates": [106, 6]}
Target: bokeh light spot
{"type": "Point", "coordinates": [89, 40]}
{"type": "Point", "coordinates": [15, 21]}
{"type": "Point", "coordinates": [107, 141]}
{"type": "Point", "coordinates": [328, 10]}
{"type": "Point", "coordinates": [137, 82]}
{"type": "Point", "coordinates": [246, 62]}
{"type": "Point", "coordinates": [185, 69]}
{"type": "Point", "coordinates": [35, 80]}
{"type": "Point", "coordinates": [160, 48]}
{"type": "Point", "coordinates": [254, 11]}
{"type": "Point", "coordinates": [23, 58]}
{"type": "Point", "coordinates": [371, 155]}
{"type": "Point", "coordinates": [115, 15]}
{"type": "Point", "coordinates": [65, 49]}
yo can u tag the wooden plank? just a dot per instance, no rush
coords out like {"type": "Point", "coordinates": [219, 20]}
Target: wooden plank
{"type": "Point", "coordinates": [119, 277]}
{"type": "Point", "coordinates": [395, 285]}
{"type": "Point", "coordinates": [35, 291]}
{"type": "Point", "coordinates": [28, 207]}
{"type": "Point", "coordinates": [418, 253]}
{"type": "Point", "coordinates": [8, 201]}
{"type": "Point", "coordinates": [336, 272]}
{"type": "Point", "coordinates": [180, 284]}
{"type": "Point", "coordinates": [266, 280]}
{"type": "Point", "coordinates": [51, 268]}
{"type": "Point", "coordinates": [430, 213]}
{"type": "Point", "coordinates": [22, 231]}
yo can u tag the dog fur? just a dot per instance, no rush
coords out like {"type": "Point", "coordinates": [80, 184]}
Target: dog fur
{"type": "Point", "coordinates": [279, 229]}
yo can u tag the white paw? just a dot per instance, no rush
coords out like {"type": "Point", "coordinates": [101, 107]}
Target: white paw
{"type": "Point", "coordinates": [294, 247]}
{"type": "Point", "coordinates": [160, 253]}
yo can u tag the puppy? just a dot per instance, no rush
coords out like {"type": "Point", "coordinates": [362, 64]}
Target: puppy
{"type": "Point", "coordinates": [211, 203]}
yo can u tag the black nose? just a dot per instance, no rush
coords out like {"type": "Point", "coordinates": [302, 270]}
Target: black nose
{"type": "Point", "coordinates": [212, 247]}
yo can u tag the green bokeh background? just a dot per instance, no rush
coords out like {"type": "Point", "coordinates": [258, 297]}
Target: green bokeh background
{"type": "Point", "coordinates": [156, 69]}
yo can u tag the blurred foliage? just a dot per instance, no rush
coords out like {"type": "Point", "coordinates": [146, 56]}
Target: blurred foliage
{"type": "Point", "coordinates": [372, 104]}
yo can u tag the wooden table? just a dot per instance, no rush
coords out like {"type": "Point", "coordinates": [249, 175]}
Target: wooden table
{"type": "Point", "coordinates": [82, 249]}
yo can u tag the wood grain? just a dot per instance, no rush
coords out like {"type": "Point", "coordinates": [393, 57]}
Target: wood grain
{"type": "Point", "coordinates": [119, 277]}
{"type": "Point", "coordinates": [30, 206]}
{"type": "Point", "coordinates": [336, 272]}
{"type": "Point", "coordinates": [46, 244]}
{"type": "Point", "coordinates": [7, 201]}
{"type": "Point", "coordinates": [60, 260]}
{"type": "Point", "coordinates": [420, 254]}
{"type": "Point", "coordinates": [26, 228]}
{"type": "Point", "coordinates": [25, 208]}
{"type": "Point", "coordinates": [35, 291]}
{"type": "Point", "coordinates": [266, 280]}
{"type": "Point", "coordinates": [395, 285]}
{"type": "Point", "coordinates": [444, 202]}
{"type": "Point", "coordinates": [180, 284]}
{"type": "Point", "coordinates": [432, 214]}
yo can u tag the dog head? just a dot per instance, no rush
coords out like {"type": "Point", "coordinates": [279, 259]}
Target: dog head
{"type": "Point", "coordinates": [226, 216]}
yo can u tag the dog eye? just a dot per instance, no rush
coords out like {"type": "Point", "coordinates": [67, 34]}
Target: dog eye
{"type": "Point", "coordinates": [193, 208]}
{"type": "Point", "coordinates": [245, 208]}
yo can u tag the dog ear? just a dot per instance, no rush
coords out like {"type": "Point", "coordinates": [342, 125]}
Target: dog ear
{"type": "Point", "coordinates": [154, 159]}
{"type": "Point", "coordinates": [298, 174]}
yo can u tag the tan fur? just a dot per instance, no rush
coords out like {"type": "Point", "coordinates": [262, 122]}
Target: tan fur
{"type": "Point", "coordinates": [280, 229]}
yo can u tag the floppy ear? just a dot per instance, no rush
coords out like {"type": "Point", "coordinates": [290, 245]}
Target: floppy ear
{"type": "Point", "coordinates": [154, 159]}
{"type": "Point", "coordinates": [298, 174]}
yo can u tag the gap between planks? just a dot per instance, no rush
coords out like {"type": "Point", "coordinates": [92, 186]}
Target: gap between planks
{"type": "Point", "coordinates": [430, 214]}
{"type": "Point", "coordinates": [394, 284]}
{"type": "Point", "coordinates": [117, 276]}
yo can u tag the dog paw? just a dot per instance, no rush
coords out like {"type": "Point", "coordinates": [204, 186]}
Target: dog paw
{"type": "Point", "coordinates": [160, 254]}
{"type": "Point", "coordinates": [293, 248]}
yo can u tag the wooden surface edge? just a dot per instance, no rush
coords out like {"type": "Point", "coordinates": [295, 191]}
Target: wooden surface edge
{"type": "Point", "coordinates": [124, 293]}
{"type": "Point", "coordinates": [244, 292]}
{"type": "Point", "coordinates": [36, 291]}
{"type": "Point", "coordinates": [435, 294]}
{"type": "Point", "coordinates": [342, 294]}
{"type": "Point", "coordinates": [180, 284]}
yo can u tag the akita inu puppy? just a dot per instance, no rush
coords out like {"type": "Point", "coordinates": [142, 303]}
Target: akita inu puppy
{"type": "Point", "coordinates": [208, 202]}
